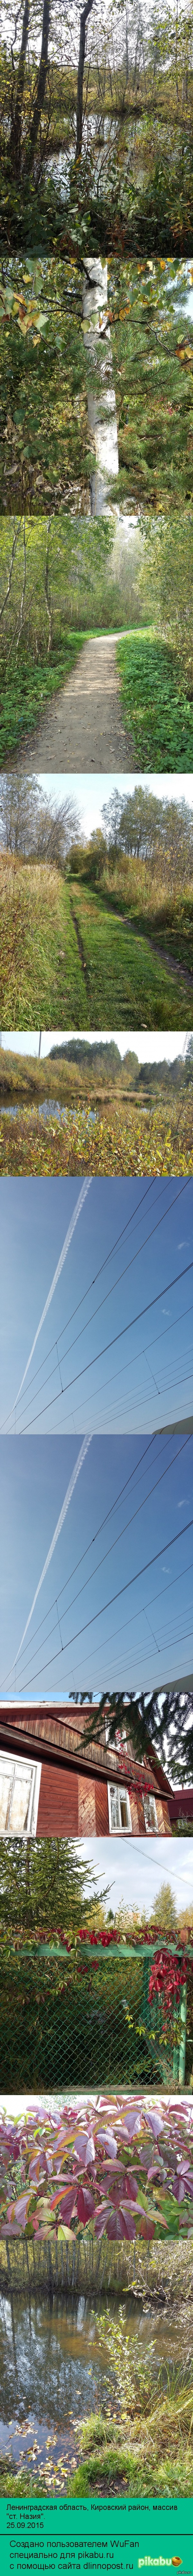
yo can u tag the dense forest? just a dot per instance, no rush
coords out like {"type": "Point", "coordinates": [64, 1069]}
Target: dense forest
{"type": "Point", "coordinates": [96, 127]}
{"type": "Point", "coordinates": [66, 580]}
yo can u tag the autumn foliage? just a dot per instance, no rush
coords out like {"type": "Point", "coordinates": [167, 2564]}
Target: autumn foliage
{"type": "Point", "coordinates": [123, 2169]}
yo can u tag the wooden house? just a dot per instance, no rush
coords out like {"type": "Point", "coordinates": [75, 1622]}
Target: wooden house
{"type": "Point", "coordinates": [53, 1782]}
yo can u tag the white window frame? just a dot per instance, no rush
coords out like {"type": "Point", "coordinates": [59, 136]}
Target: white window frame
{"type": "Point", "coordinates": [119, 1829]}
{"type": "Point", "coordinates": [120, 1733]}
{"type": "Point", "coordinates": [149, 1793]}
{"type": "Point", "coordinates": [19, 1764]}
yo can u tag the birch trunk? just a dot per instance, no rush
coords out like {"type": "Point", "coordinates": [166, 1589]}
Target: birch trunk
{"type": "Point", "coordinates": [103, 433]}
{"type": "Point", "coordinates": [85, 13]}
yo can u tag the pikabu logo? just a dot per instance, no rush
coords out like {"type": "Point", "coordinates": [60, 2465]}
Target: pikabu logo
{"type": "Point", "coordinates": [159, 2562]}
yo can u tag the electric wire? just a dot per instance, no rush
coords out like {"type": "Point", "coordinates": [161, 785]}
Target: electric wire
{"type": "Point", "coordinates": [116, 1337]}
{"type": "Point", "coordinates": [111, 1291]}
{"type": "Point", "coordinates": [115, 1543]}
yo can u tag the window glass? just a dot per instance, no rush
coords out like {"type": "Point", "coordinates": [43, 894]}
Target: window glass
{"type": "Point", "coordinates": [19, 1792]}
{"type": "Point", "coordinates": [115, 1814]}
{"type": "Point", "coordinates": [6, 1777]}
{"type": "Point", "coordinates": [123, 1807]}
{"type": "Point", "coordinates": [150, 1815]}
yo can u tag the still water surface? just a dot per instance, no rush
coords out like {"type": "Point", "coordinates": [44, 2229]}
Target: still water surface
{"type": "Point", "coordinates": [57, 2367]}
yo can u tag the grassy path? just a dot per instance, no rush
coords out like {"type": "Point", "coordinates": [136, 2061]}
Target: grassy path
{"type": "Point", "coordinates": [68, 961]}
{"type": "Point", "coordinates": [175, 965]}
{"type": "Point", "coordinates": [124, 981]}
{"type": "Point", "coordinates": [84, 727]}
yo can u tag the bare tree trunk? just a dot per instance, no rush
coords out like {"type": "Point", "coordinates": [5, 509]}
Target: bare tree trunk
{"type": "Point", "coordinates": [41, 85]}
{"type": "Point", "coordinates": [23, 592]}
{"type": "Point", "coordinates": [7, 592]}
{"type": "Point", "coordinates": [17, 113]}
{"type": "Point", "coordinates": [85, 13]}
{"type": "Point", "coordinates": [49, 612]}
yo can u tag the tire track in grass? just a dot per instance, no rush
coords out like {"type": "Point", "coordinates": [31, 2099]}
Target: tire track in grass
{"type": "Point", "coordinates": [125, 988]}
{"type": "Point", "coordinates": [173, 965]}
{"type": "Point", "coordinates": [83, 960]}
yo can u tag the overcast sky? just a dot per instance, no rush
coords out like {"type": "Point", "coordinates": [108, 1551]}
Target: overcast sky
{"type": "Point", "coordinates": [136, 1870]}
{"type": "Point", "coordinates": [65, 24]}
{"type": "Point", "coordinates": [149, 1050]}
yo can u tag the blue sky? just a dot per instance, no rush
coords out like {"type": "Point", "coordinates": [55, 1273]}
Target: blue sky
{"type": "Point", "coordinates": [91, 794]}
{"type": "Point", "coordinates": [125, 1619]}
{"type": "Point", "coordinates": [115, 1350]}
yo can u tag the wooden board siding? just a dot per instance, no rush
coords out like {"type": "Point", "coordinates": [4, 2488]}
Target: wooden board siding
{"type": "Point", "coordinates": [71, 1804]}
{"type": "Point", "coordinates": [141, 1817]}
{"type": "Point", "coordinates": [101, 1807]}
{"type": "Point", "coordinates": [86, 1806]}
{"type": "Point", "coordinates": [58, 1802]}
{"type": "Point", "coordinates": [164, 1826]}
{"type": "Point", "coordinates": [135, 1803]}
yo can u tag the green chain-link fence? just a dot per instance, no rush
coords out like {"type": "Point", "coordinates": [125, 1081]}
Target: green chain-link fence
{"type": "Point", "coordinates": [85, 2017]}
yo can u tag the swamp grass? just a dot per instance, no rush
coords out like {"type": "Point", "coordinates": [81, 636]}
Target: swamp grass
{"type": "Point", "coordinates": [144, 200]}
{"type": "Point", "coordinates": [120, 1141]}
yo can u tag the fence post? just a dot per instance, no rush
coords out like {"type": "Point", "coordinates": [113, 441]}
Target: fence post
{"type": "Point", "coordinates": [182, 2051]}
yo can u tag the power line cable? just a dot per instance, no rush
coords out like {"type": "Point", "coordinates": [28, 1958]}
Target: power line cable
{"type": "Point", "coordinates": [158, 1596]}
{"type": "Point", "coordinates": [116, 1337]}
{"type": "Point", "coordinates": [87, 1291]}
{"type": "Point", "coordinates": [115, 1542]}
{"type": "Point", "coordinates": [125, 1587]}
{"type": "Point", "coordinates": [112, 1290]}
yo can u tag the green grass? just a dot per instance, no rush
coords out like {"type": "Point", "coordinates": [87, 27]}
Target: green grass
{"type": "Point", "coordinates": [111, 979]}
{"type": "Point", "coordinates": [154, 703]}
{"type": "Point", "coordinates": [125, 985]}
{"type": "Point", "coordinates": [160, 2463]}
{"type": "Point", "coordinates": [23, 695]}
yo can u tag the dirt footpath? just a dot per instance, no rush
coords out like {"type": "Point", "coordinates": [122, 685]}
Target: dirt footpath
{"type": "Point", "coordinates": [83, 727]}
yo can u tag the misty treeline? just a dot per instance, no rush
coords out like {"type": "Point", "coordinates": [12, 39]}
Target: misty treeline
{"type": "Point", "coordinates": [151, 836]}
{"type": "Point", "coordinates": [57, 579]}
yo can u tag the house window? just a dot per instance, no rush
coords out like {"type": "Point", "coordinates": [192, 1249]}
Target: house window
{"type": "Point", "coordinates": [150, 1814]}
{"type": "Point", "coordinates": [120, 1737]}
{"type": "Point", "coordinates": [119, 1810]}
{"type": "Point", "coordinates": [19, 1795]}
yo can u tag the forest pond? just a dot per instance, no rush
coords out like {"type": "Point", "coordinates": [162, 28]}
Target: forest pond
{"type": "Point", "coordinates": [58, 2366]}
